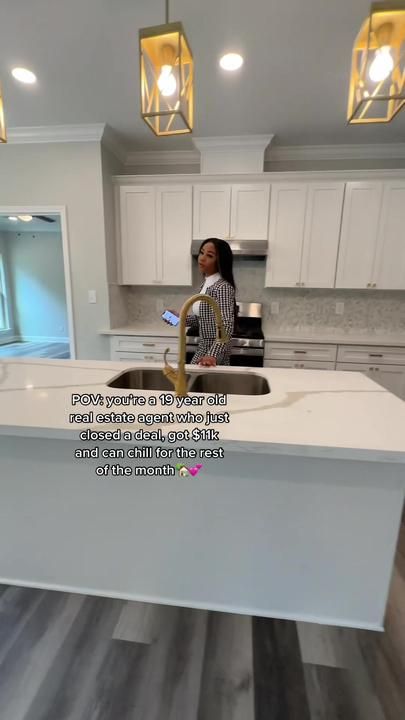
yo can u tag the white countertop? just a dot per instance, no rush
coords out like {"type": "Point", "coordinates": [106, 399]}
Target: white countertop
{"type": "Point", "coordinates": [161, 329]}
{"type": "Point", "coordinates": [308, 412]}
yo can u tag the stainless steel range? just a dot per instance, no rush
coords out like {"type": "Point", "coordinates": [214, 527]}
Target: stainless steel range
{"type": "Point", "coordinates": [247, 338]}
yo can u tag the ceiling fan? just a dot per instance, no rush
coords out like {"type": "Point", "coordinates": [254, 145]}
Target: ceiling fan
{"type": "Point", "coordinates": [28, 218]}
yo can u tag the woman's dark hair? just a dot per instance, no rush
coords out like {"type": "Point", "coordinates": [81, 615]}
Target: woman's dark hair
{"type": "Point", "coordinates": [224, 258]}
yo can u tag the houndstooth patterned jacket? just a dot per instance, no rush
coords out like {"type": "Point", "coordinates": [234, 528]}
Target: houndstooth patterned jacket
{"type": "Point", "coordinates": [205, 324]}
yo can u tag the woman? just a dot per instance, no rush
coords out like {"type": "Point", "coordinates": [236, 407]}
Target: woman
{"type": "Point", "coordinates": [215, 261]}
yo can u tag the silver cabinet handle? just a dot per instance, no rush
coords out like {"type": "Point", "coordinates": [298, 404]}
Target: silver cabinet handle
{"type": "Point", "coordinates": [148, 344]}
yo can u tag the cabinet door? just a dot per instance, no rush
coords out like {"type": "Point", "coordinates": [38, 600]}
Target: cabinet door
{"type": "Point", "coordinates": [174, 229]}
{"type": "Point", "coordinates": [391, 377]}
{"type": "Point", "coordinates": [138, 236]}
{"type": "Point", "coordinates": [389, 270]}
{"type": "Point", "coordinates": [286, 234]}
{"type": "Point", "coordinates": [322, 232]}
{"type": "Point", "coordinates": [250, 212]}
{"type": "Point", "coordinates": [212, 210]}
{"type": "Point", "coordinates": [358, 239]}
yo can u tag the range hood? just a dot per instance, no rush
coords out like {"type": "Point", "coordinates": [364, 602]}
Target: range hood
{"type": "Point", "coordinates": [240, 248]}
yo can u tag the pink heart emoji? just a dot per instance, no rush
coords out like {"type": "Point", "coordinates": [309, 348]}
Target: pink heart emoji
{"type": "Point", "coordinates": [194, 470]}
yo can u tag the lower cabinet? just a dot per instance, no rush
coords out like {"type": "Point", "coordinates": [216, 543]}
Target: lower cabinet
{"type": "Point", "coordinates": [143, 349]}
{"type": "Point", "coordinates": [391, 377]}
{"type": "Point", "coordinates": [300, 364]}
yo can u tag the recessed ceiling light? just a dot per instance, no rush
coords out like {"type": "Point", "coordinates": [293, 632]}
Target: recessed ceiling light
{"type": "Point", "coordinates": [25, 218]}
{"type": "Point", "coordinates": [13, 218]}
{"type": "Point", "coordinates": [24, 75]}
{"type": "Point", "coordinates": [231, 61]}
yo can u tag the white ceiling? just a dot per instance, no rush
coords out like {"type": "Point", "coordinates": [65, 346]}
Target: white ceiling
{"type": "Point", "coordinates": [34, 225]}
{"type": "Point", "coordinates": [294, 81]}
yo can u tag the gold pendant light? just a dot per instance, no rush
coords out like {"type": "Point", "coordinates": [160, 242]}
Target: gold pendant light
{"type": "Point", "coordinates": [166, 78]}
{"type": "Point", "coordinates": [3, 134]}
{"type": "Point", "coordinates": [377, 82]}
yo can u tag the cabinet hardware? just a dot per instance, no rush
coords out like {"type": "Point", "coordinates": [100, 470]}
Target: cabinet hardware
{"type": "Point", "coordinates": [374, 284]}
{"type": "Point", "coordinates": [302, 284]}
{"type": "Point", "coordinates": [148, 344]}
{"type": "Point", "coordinates": [368, 284]}
{"type": "Point", "coordinates": [300, 352]}
{"type": "Point", "coordinates": [297, 283]}
{"type": "Point", "coordinates": [375, 355]}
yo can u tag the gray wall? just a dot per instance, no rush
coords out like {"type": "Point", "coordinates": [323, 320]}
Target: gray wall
{"type": "Point", "coordinates": [68, 174]}
{"type": "Point", "coordinates": [6, 336]}
{"type": "Point", "coordinates": [35, 264]}
{"type": "Point", "coordinates": [116, 293]}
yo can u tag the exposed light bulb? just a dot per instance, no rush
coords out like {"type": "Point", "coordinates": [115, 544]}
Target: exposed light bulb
{"type": "Point", "coordinates": [382, 64]}
{"type": "Point", "coordinates": [25, 218]}
{"type": "Point", "coordinates": [231, 61]}
{"type": "Point", "coordinates": [167, 82]}
{"type": "Point", "coordinates": [23, 75]}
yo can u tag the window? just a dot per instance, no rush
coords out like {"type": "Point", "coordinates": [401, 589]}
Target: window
{"type": "Point", "coordinates": [4, 315]}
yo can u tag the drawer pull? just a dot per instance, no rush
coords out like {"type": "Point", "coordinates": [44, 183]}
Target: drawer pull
{"type": "Point", "coordinates": [300, 352]}
{"type": "Point", "coordinates": [148, 344]}
{"type": "Point", "coordinates": [375, 355]}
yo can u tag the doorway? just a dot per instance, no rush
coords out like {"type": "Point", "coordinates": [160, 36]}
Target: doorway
{"type": "Point", "coordinates": [36, 315]}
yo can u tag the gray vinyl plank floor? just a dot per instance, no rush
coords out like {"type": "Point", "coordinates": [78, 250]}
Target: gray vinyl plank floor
{"type": "Point", "coordinates": [73, 657]}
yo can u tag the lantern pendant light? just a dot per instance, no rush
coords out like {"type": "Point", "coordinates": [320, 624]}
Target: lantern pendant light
{"type": "Point", "coordinates": [3, 133]}
{"type": "Point", "coordinates": [167, 76]}
{"type": "Point", "coordinates": [377, 82]}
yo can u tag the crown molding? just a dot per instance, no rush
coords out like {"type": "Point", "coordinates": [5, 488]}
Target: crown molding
{"type": "Point", "coordinates": [56, 134]}
{"type": "Point", "coordinates": [232, 143]}
{"type": "Point", "coordinates": [163, 157]}
{"type": "Point", "coordinates": [300, 153]}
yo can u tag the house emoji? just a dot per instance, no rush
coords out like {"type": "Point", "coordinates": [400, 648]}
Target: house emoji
{"type": "Point", "coordinates": [183, 471]}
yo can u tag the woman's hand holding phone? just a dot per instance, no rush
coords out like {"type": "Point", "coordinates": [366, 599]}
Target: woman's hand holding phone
{"type": "Point", "coordinates": [171, 317]}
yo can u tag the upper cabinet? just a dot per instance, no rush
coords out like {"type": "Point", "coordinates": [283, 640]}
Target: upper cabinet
{"type": "Point", "coordinates": [304, 234]}
{"type": "Point", "coordinates": [154, 238]}
{"type": "Point", "coordinates": [372, 250]}
{"type": "Point", "coordinates": [231, 212]}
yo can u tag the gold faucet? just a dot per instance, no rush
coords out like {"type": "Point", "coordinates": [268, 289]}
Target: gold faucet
{"type": "Point", "coordinates": [178, 377]}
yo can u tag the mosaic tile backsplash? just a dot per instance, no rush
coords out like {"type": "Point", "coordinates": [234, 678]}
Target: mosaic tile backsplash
{"type": "Point", "coordinates": [300, 310]}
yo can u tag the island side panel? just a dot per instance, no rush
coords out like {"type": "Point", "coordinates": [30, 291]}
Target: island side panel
{"type": "Point", "coordinates": [278, 536]}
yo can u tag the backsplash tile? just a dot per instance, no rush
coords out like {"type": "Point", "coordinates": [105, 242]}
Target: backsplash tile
{"type": "Point", "coordinates": [300, 310]}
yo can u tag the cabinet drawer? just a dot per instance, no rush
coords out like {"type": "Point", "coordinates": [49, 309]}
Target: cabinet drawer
{"type": "Point", "coordinates": [123, 343]}
{"type": "Point", "coordinates": [371, 354]}
{"type": "Point", "coordinates": [300, 364]}
{"type": "Point", "coordinates": [142, 357]}
{"type": "Point", "coordinates": [300, 352]}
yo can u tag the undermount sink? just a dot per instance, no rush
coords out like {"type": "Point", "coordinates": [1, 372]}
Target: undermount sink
{"type": "Point", "coordinates": [142, 379]}
{"type": "Point", "coordinates": [237, 383]}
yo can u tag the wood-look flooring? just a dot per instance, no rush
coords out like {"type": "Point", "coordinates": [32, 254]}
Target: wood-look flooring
{"type": "Point", "coordinates": [72, 657]}
{"type": "Point", "coordinates": [58, 350]}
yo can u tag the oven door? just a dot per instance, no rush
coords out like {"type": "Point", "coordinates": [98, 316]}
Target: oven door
{"type": "Point", "coordinates": [247, 357]}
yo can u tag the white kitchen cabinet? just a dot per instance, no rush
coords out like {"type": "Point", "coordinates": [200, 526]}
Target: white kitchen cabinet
{"type": "Point", "coordinates": [391, 377]}
{"type": "Point", "coordinates": [300, 364]}
{"type": "Point", "coordinates": [389, 267]}
{"type": "Point", "coordinates": [294, 352]}
{"type": "Point", "coordinates": [231, 212]}
{"type": "Point", "coordinates": [142, 348]}
{"type": "Point", "coordinates": [304, 234]}
{"type": "Point", "coordinates": [359, 235]}
{"type": "Point", "coordinates": [155, 235]}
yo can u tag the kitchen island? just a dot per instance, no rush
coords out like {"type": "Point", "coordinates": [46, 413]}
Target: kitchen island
{"type": "Point", "coordinates": [298, 520]}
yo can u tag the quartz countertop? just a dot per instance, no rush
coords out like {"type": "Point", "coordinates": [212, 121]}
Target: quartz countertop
{"type": "Point", "coordinates": [161, 329]}
{"type": "Point", "coordinates": [342, 415]}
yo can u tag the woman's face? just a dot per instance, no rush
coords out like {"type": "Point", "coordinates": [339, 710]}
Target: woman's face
{"type": "Point", "coordinates": [207, 259]}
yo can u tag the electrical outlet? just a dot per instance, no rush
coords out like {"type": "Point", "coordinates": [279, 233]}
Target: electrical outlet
{"type": "Point", "coordinates": [92, 296]}
{"type": "Point", "coordinates": [274, 308]}
{"type": "Point", "coordinates": [340, 308]}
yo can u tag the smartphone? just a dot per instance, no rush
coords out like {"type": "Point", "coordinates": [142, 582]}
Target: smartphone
{"type": "Point", "coordinates": [171, 318]}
